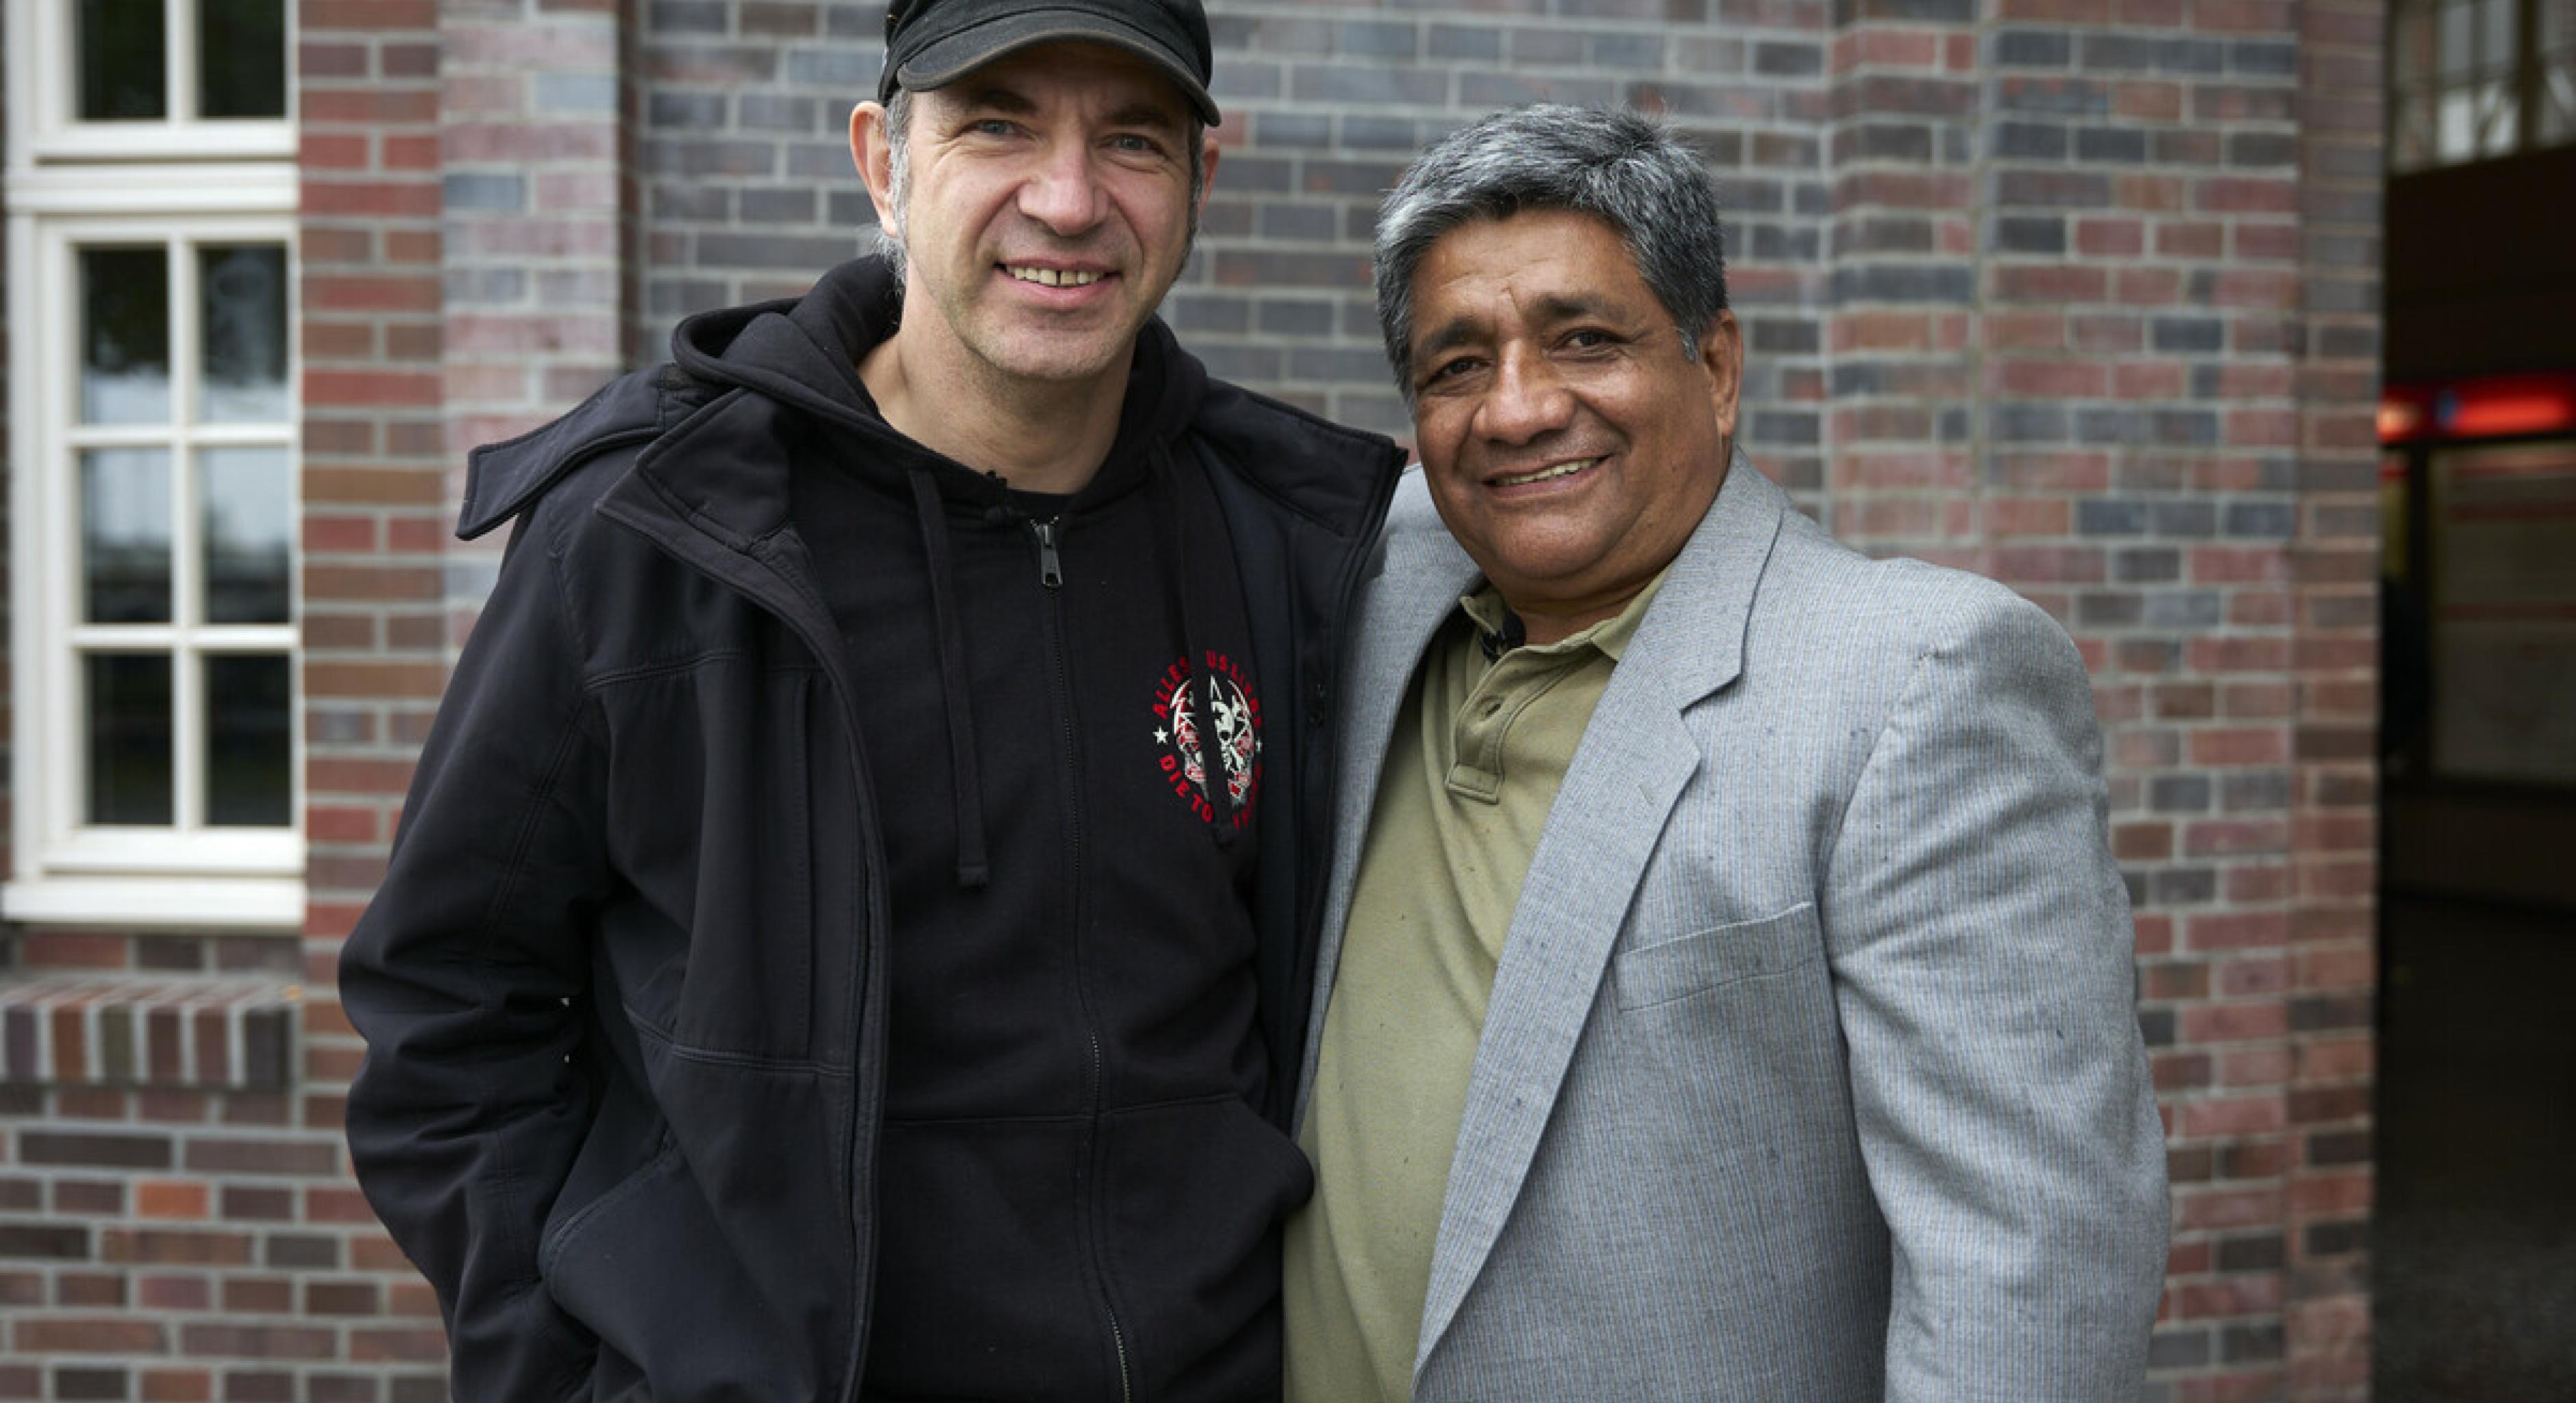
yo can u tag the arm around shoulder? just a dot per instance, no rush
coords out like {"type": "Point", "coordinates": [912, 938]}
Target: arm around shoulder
{"type": "Point", "coordinates": [1984, 966]}
{"type": "Point", "coordinates": [466, 977]}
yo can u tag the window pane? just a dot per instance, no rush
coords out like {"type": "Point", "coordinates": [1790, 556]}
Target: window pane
{"type": "Point", "coordinates": [125, 335]}
{"type": "Point", "coordinates": [241, 301]}
{"type": "Point", "coordinates": [122, 64]}
{"type": "Point", "coordinates": [2496, 49]}
{"type": "Point", "coordinates": [125, 535]}
{"type": "Point", "coordinates": [247, 515]}
{"type": "Point", "coordinates": [129, 738]}
{"type": "Point", "coordinates": [249, 759]}
{"type": "Point", "coordinates": [2459, 57]}
{"type": "Point", "coordinates": [241, 58]}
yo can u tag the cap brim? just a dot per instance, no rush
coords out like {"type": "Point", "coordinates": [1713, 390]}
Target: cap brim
{"type": "Point", "coordinates": [944, 61]}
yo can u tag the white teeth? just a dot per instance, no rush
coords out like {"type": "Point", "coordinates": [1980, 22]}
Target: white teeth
{"type": "Point", "coordinates": [1543, 474]}
{"type": "Point", "coordinates": [1052, 277]}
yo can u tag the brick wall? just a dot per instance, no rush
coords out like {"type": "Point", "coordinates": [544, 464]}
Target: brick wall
{"type": "Point", "coordinates": [2078, 293]}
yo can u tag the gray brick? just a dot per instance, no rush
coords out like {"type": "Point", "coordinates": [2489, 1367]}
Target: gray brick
{"type": "Point", "coordinates": [1376, 39]}
{"type": "Point", "coordinates": [1228, 360]}
{"type": "Point", "coordinates": [2107, 610]}
{"type": "Point", "coordinates": [1308, 223]}
{"type": "Point", "coordinates": [2183, 609]}
{"type": "Point", "coordinates": [1207, 312]}
{"type": "Point", "coordinates": [712, 157]}
{"type": "Point", "coordinates": [1365, 83]}
{"type": "Point", "coordinates": [789, 205]}
{"type": "Point", "coordinates": [838, 69]}
{"type": "Point", "coordinates": [2118, 53]}
{"type": "Point", "coordinates": [2178, 1349]}
{"type": "Point", "coordinates": [794, 253]}
{"type": "Point", "coordinates": [1478, 89]}
{"type": "Point", "coordinates": [1883, 141]}
{"type": "Point", "coordinates": [1284, 318]}
{"type": "Point", "coordinates": [2110, 516]}
{"type": "Point", "coordinates": [2270, 521]}
{"type": "Point", "coordinates": [2193, 427]}
{"type": "Point", "coordinates": [2124, 144]}
{"type": "Point", "coordinates": [1380, 134]}
{"type": "Point", "coordinates": [2187, 334]}
{"type": "Point", "coordinates": [1635, 52]}
{"type": "Point", "coordinates": [2271, 58]}
{"type": "Point", "coordinates": [1276, 129]}
{"type": "Point", "coordinates": [2189, 518]}
{"type": "Point", "coordinates": [1557, 47]}
{"type": "Point", "coordinates": [2065, 96]}
{"type": "Point", "coordinates": [765, 113]}
{"type": "Point", "coordinates": [679, 17]}
{"type": "Point", "coordinates": [1785, 427]}
{"type": "Point", "coordinates": [591, 93]}
{"type": "Point", "coordinates": [1904, 282]}
{"type": "Point", "coordinates": [2172, 794]}
{"type": "Point", "coordinates": [1789, 60]}
{"type": "Point", "coordinates": [696, 112]}
{"type": "Point", "coordinates": [2026, 423]}
{"type": "Point", "coordinates": [1466, 41]}
{"type": "Point", "coordinates": [2146, 565]}
{"type": "Point", "coordinates": [2183, 886]}
{"type": "Point", "coordinates": [496, 193]}
{"type": "Point", "coordinates": [2032, 48]}
{"type": "Point", "coordinates": [2029, 234]}
{"type": "Point", "coordinates": [2261, 149]}
{"type": "Point", "coordinates": [2254, 791]}
{"type": "Point", "coordinates": [2032, 140]}
{"type": "Point", "coordinates": [2191, 56]}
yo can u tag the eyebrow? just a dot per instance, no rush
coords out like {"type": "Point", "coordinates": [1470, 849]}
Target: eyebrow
{"type": "Point", "coordinates": [993, 97]}
{"type": "Point", "coordinates": [1552, 310]}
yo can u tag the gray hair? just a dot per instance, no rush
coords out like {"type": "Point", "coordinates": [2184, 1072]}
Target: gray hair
{"type": "Point", "coordinates": [1623, 169]}
{"type": "Point", "coordinates": [898, 126]}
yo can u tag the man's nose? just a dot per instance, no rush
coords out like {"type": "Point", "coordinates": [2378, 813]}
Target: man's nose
{"type": "Point", "coordinates": [1063, 192]}
{"type": "Point", "coordinates": [1529, 399]}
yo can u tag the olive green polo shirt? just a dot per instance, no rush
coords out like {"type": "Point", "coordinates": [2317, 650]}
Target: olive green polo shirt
{"type": "Point", "coordinates": [1478, 753]}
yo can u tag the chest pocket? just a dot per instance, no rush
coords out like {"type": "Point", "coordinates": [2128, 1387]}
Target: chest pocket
{"type": "Point", "coordinates": [1716, 957]}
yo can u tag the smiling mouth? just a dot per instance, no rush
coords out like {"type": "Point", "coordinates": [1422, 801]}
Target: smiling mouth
{"type": "Point", "coordinates": [1052, 277]}
{"type": "Point", "coordinates": [1544, 474]}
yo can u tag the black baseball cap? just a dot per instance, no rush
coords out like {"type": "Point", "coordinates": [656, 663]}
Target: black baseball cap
{"type": "Point", "coordinates": [931, 43]}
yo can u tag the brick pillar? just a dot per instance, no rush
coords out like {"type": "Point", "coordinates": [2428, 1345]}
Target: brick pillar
{"type": "Point", "coordinates": [2335, 574]}
{"type": "Point", "coordinates": [375, 512]}
{"type": "Point", "coordinates": [1903, 363]}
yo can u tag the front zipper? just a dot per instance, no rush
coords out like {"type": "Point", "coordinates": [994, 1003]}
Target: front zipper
{"type": "Point", "coordinates": [1049, 535]}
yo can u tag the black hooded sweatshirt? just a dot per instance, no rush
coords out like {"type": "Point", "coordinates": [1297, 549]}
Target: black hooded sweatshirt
{"type": "Point", "coordinates": [1080, 1197]}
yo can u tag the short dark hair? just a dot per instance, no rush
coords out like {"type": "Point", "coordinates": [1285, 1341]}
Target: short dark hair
{"type": "Point", "coordinates": [1623, 169]}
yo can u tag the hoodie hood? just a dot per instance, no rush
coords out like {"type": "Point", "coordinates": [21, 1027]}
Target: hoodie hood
{"type": "Point", "coordinates": [803, 354]}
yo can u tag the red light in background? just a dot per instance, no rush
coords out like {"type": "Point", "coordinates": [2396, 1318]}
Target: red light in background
{"type": "Point", "coordinates": [2495, 406]}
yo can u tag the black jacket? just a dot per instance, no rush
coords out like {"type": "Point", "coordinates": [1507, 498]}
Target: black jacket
{"type": "Point", "coordinates": [624, 984]}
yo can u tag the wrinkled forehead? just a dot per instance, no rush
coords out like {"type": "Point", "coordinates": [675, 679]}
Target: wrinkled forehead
{"type": "Point", "coordinates": [1102, 80]}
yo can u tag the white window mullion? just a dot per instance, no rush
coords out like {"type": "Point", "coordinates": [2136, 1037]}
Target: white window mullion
{"type": "Point", "coordinates": [179, 83]}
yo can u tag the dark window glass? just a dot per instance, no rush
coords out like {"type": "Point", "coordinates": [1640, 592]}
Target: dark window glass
{"type": "Point", "coordinates": [125, 535]}
{"type": "Point", "coordinates": [241, 58]}
{"type": "Point", "coordinates": [242, 497]}
{"type": "Point", "coordinates": [241, 316]}
{"type": "Point", "coordinates": [249, 758]}
{"type": "Point", "coordinates": [122, 61]}
{"type": "Point", "coordinates": [125, 336]}
{"type": "Point", "coordinates": [129, 738]}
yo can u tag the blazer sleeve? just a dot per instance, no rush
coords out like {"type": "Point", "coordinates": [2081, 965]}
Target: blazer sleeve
{"type": "Point", "coordinates": [467, 977]}
{"type": "Point", "coordinates": [1983, 958]}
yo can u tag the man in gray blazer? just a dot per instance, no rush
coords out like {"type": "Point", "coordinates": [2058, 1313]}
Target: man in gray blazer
{"type": "Point", "coordinates": [1730, 987]}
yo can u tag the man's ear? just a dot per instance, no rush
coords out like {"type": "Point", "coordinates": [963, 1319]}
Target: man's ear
{"type": "Point", "coordinates": [873, 154]}
{"type": "Point", "coordinates": [1721, 354]}
{"type": "Point", "coordinates": [1208, 152]}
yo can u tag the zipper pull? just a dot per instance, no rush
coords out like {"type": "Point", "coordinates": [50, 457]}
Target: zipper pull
{"type": "Point", "coordinates": [1050, 567]}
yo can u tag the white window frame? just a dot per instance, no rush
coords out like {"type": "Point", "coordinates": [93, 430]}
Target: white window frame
{"type": "Point", "coordinates": [174, 183]}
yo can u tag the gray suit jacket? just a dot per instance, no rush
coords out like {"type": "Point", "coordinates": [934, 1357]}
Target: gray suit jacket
{"type": "Point", "coordinates": [1812, 1067]}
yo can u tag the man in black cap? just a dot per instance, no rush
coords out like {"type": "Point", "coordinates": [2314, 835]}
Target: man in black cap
{"type": "Point", "coordinates": [851, 930]}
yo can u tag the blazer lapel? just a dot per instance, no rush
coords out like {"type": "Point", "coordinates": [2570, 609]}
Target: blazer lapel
{"type": "Point", "coordinates": [1424, 574]}
{"type": "Point", "coordinates": [1634, 759]}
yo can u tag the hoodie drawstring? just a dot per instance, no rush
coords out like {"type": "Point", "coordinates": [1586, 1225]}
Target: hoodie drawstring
{"type": "Point", "coordinates": [956, 707]}
{"type": "Point", "coordinates": [1217, 783]}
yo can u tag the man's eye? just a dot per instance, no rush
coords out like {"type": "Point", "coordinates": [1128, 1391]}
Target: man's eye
{"type": "Point", "coordinates": [1450, 369]}
{"type": "Point", "coordinates": [1140, 145]}
{"type": "Point", "coordinates": [991, 126]}
{"type": "Point", "coordinates": [1589, 339]}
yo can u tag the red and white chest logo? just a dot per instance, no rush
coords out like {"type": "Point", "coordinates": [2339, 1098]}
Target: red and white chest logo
{"type": "Point", "coordinates": [1184, 740]}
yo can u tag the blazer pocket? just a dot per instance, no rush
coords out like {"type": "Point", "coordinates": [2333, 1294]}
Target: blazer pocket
{"type": "Point", "coordinates": [1721, 955]}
